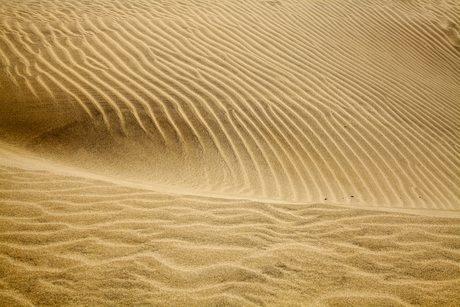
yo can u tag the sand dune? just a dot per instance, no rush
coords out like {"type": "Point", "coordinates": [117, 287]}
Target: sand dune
{"type": "Point", "coordinates": [158, 153]}
{"type": "Point", "coordinates": [293, 101]}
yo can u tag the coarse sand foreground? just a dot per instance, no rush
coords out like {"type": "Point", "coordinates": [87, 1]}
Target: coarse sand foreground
{"type": "Point", "coordinates": [72, 240]}
{"type": "Point", "coordinates": [229, 153]}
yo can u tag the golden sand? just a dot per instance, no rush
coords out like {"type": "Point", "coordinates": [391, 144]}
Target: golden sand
{"type": "Point", "coordinates": [229, 153]}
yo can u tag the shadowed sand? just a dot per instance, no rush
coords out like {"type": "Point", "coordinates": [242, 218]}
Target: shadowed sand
{"type": "Point", "coordinates": [229, 153]}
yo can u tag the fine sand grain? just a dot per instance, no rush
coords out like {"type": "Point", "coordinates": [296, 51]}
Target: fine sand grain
{"type": "Point", "coordinates": [229, 153]}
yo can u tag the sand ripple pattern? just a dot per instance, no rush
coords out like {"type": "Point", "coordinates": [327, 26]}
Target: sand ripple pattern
{"type": "Point", "coordinates": [72, 241]}
{"type": "Point", "coordinates": [312, 101]}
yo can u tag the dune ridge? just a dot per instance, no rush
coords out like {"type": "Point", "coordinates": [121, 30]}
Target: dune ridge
{"type": "Point", "coordinates": [229, 153]}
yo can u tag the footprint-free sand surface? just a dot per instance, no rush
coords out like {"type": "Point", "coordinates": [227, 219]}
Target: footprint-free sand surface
{"type": "Point", "coordinates": [229, 153]}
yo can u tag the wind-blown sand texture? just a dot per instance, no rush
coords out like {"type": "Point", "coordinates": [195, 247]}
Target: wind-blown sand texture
{"type": "Point", "coordinates": [229, 153]}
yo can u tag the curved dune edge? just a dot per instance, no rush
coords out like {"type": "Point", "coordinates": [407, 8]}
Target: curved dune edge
{"type": "Point", "coordinates": [12, 156]}
{"type": "Point", "coordinates": [70, 240]}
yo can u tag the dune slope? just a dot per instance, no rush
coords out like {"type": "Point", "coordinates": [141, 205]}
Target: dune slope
{"type": "Point", "coordinates": [289, 100]}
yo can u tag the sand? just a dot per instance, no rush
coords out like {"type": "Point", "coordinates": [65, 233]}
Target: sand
{"type": "Point", "coordinates": [229, 153]}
